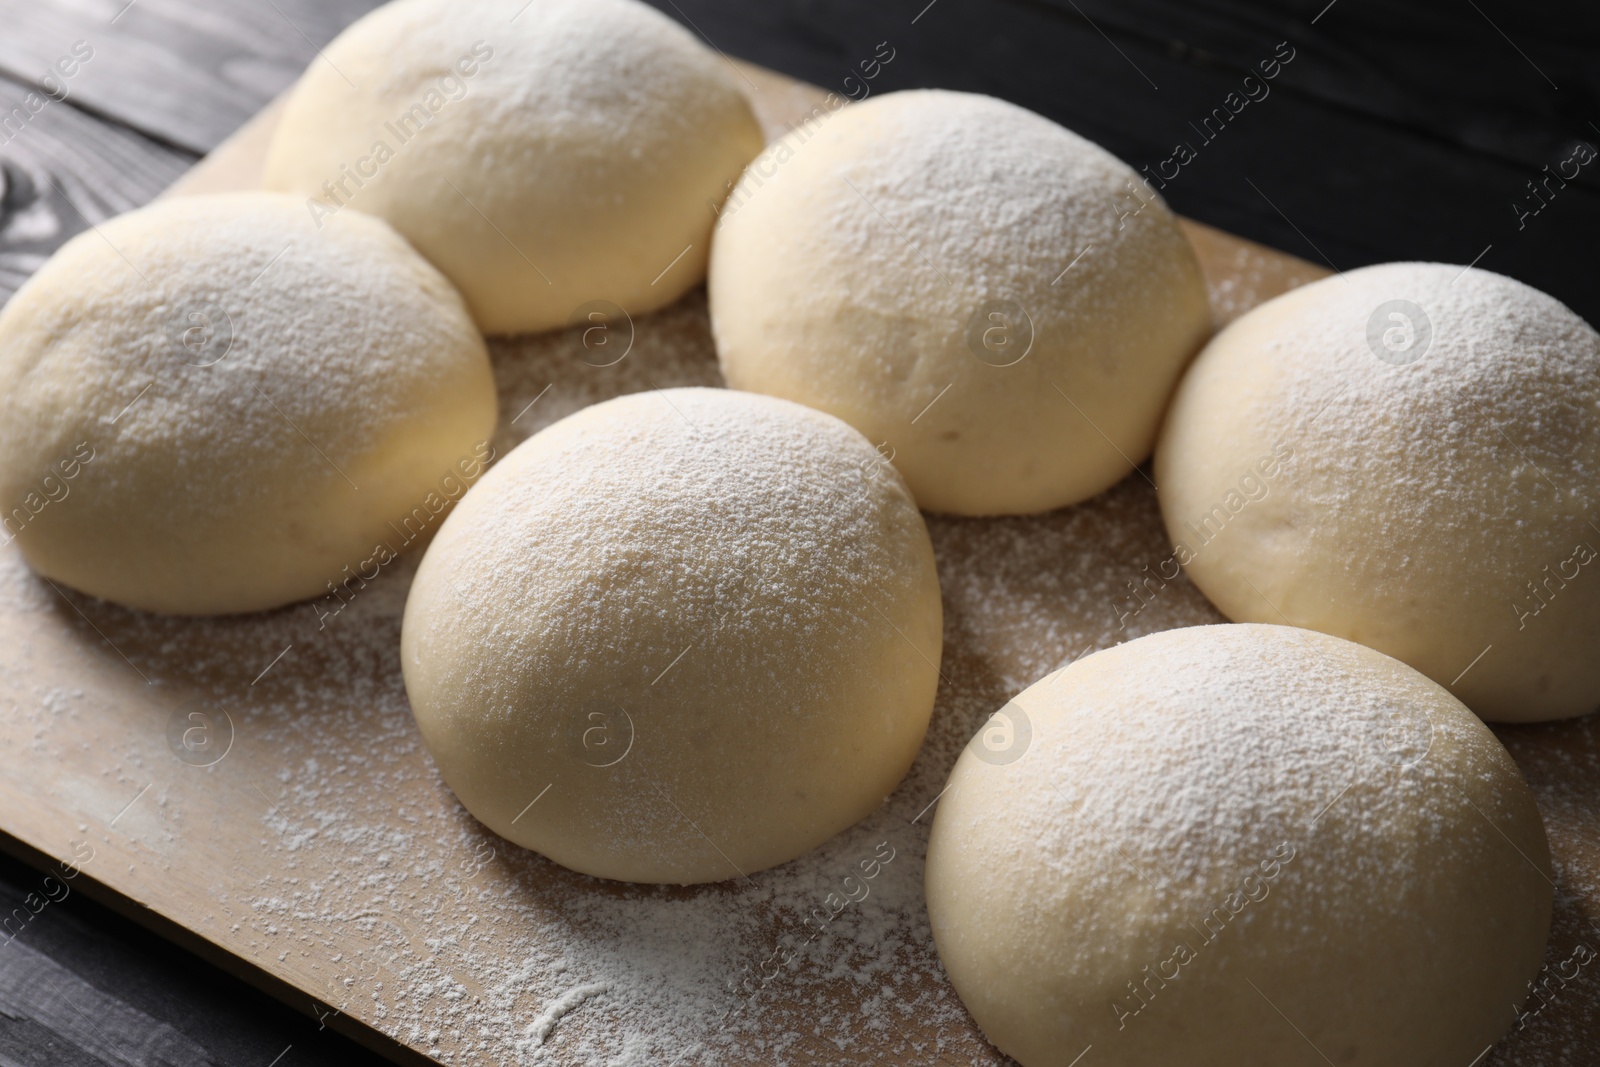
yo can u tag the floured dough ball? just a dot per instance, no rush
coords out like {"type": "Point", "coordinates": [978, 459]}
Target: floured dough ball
{"type": "Point", "coordinates": [679, 636]}
{"type": "Point", "coordinates": [1001, 305]}
{"type": "Point", "coordinates": [210, 405]}
{"type": "Point", "coordinates": [551, 158]}
{"type": "Point", "coordinates": [1408, 456]}
{"type": "Point", "coordinates": [1239, 845]}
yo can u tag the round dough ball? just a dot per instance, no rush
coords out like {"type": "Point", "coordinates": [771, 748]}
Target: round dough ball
{"type": "Point", "coordinates": [1002, 304]}
{"type": "Point", "coordinates": [573, 154]}
{"type": "Point", "coordinates": [1240, 845]}
{"type": "Point", "coordinates": [1407, 456]}
{"type": "Point", "coordinates": [697, 630]}
{"type": "Point", "coordinates": [209, 405]}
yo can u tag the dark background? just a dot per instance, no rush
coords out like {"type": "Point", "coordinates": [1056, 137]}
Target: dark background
{"type": "Point", "coordinates": [1402, 129]}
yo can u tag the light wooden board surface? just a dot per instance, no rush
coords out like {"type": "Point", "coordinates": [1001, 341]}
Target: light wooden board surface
{"type": "Point", "coordinates": [318, 854]}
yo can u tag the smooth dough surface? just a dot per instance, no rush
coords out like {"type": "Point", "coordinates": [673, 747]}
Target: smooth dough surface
{"type": "Point", "coordinates": [999, 303]}
{"type": "Point", "coordinates": [697, 630]}
{"type": "Point", "coordinates": [209, 405]}
{"type": "Point", "coordinates": [1240, 844]}
{"type": "Point", "coordinates": [1408, 456]}
{"type": "Point", "coordinates": [568, 155]}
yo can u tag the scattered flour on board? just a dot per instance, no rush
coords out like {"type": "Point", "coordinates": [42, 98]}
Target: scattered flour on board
{"type": "Point", "coordinates": [326, 839]}
{"type": "Point", "coordinates": [542, 1027]}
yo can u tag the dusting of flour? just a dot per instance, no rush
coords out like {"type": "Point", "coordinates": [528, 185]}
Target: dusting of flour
{"type": "Point", "coordinates": [324, 846]}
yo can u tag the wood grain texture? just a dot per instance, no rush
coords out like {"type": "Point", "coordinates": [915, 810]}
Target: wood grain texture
{"type": "Point", "coordinates": [185, 72]}
{"type": "Point", "coordinates": [264, 860]}
{"type": "Point", "coordinates": [62, 171]}
{"type": "Point", "coordinates": [1400, 131]}
{"type": "Point", "coordinates": [66, 996]}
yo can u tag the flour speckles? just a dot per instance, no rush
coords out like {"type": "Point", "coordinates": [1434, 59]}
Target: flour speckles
{"type": "Point", "coordinates": [1439, 436]}
{"type": "Point", "coordinates": [328, 834]}
{"type": "Point", "coordinates": [705, 623]}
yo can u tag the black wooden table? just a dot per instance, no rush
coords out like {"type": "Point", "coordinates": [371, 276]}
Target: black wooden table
{"type": "Point", "coordinates": [1390, 129]}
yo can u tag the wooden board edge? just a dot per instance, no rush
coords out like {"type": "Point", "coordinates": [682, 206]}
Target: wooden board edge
{"type": "Point", "coordinates": [234, 164]}
{"type": "Point", "coordinates": [174, 933]}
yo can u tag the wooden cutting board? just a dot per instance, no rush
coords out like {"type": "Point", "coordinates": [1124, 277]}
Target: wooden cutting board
{"type": "Point", "coordinates": [254, 788]}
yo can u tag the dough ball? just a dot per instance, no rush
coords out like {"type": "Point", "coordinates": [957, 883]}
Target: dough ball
{"type": "Point", "coordinates": [1407, 456]}
{"type": "Point", "coordinates": [1001, 304]}
{"type": "Point", "coordinates": [1239, 845]}
{"type": "Point", "coordinates": [210, 405]}
{"type": "Point", "coordinates": [698, 631]}
{"type": "Point", "coordinates": [545, 159]}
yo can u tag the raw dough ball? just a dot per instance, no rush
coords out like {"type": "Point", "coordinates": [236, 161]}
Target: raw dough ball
{"type": "Point", "coordinates": [1240, 845]}
{"type": "Point", "coordinates": [545, 159]}
{"type": "Point", "coordinates": [697, 630]}
{"type": "Point", "coordinates": [1407, 456]}
{"type": "Point", "coordinates": [211, 406]}
{"type": "Point", "coordinates": [1003, 303]}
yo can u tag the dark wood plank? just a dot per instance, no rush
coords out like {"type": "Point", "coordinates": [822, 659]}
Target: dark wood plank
{"type": "Point", "coordinates": [1395, 64]}
{"type": "Point", "coordinates": [62, 170]}
{"type": "Point", "coordinates": [186, 72]}
{"type": "Point", "coordinates": [1399, 131]}
{"type": "Point", "coordinates": [50, 999]}
{"type": "Point", "coordinates": [81, 986]}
